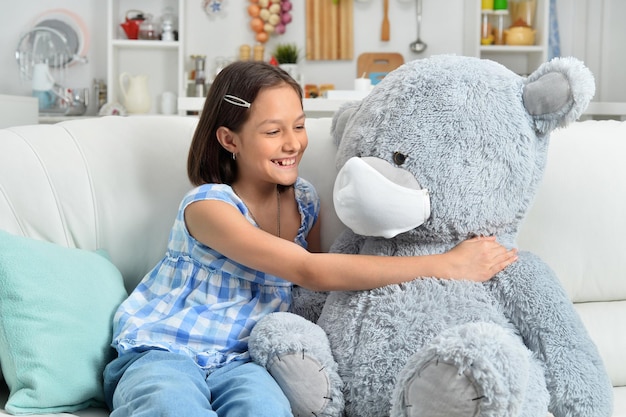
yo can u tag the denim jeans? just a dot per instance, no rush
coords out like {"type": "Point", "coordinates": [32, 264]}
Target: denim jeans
{"type": "Point", "coordinates": [160, 383]}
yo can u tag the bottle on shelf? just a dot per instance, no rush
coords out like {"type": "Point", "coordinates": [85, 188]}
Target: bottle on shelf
{"type": "Point", "coordinates": [500, 12]}
{"type": "Point", "coordinates": [258, 52]}
{"type": "Point", "coordinates": [245, 53]}
{"type": "Point", "coordinates": [168, 25]}
{"type": "Point", "coordinates": [486, 30]}
{"type": "Point", "coordinates": [200, 76]}
{"type": "Point", "coordinates": [100, 93]}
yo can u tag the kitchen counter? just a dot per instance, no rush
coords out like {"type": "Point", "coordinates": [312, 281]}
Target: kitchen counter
{"type": "Point", "coordinates": [51, 119]}
{"type": "Point", "coordinates": [323, 107]}
{"type": "Point", "coordinates": [313, 107]}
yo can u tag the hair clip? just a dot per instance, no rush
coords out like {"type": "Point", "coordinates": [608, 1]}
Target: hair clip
{"type": "Point", "coordinates": [236, 101]}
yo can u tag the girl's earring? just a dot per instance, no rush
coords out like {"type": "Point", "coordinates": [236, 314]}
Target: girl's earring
{"type": "Point", "coordinates": [234, 156]}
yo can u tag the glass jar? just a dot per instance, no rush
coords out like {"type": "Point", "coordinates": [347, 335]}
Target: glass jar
{"type": "Point", "coordinates": [522, 12]}
{"type": "Point", "coordinates": [148, 29]}
{"type": "Point", "coordinates": [500, 21]}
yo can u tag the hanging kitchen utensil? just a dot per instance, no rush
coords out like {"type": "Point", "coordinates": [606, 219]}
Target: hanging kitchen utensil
{"type": "Point", "coordinates": [385, 29]}
{"type": "Point", "coordinates": [418, 46]}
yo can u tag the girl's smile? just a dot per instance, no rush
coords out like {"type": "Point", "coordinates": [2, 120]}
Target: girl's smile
{"type": "Point", "coordinates": [287, 162]}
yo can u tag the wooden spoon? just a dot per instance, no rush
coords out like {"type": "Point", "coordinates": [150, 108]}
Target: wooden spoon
{"type": "Point", "coordinates": [384, 33]}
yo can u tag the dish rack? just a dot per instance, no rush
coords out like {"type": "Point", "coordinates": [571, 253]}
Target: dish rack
{"type": "Point", "coordinates": [57, 39]}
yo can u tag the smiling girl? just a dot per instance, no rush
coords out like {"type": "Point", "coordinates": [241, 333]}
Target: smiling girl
{"type": "Point", "coordinates": [241, 239]}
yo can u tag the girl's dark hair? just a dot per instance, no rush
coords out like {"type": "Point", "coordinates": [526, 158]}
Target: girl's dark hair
{"type": "Point", "coordinates": [208, 161]}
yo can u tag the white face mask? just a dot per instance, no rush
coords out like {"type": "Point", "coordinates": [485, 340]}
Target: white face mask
{"type": "Point", "coordinates": [374, 198]}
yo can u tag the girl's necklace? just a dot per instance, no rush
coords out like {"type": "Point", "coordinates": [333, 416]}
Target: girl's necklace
{"type": "Point", "coordinates": [277, 210]}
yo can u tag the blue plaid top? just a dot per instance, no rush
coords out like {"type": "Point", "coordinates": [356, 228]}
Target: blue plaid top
{"type": "Point", "coordinates": [199, 303]}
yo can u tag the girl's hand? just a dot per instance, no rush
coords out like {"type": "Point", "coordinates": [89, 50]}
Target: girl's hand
{"type": "Point", "coordinates": [478, 259]}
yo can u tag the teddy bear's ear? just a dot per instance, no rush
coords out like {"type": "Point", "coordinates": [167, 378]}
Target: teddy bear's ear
{"type": "Point", "coordinates": [340, 120]}
{"type": "Point", "coordinates": [557, 93]}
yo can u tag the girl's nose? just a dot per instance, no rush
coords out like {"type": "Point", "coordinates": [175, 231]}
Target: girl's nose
{"type": "Point", "coordinates": [292, 142]}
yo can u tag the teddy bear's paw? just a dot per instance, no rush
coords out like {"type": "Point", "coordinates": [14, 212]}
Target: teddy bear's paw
{"type": "Point", "coordinates": [476, 369]}
{"type": "Point", "coordinates": [297, 354]}
{"type": "Point", "coordinates": [312, 388]}
{"type": "Point", "coordinates": [438, 389]}
{"type": "Point", "coordinates": [283, 333]}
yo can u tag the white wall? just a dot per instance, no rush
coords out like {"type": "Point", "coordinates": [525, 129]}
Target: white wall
{"type": "Point", "coordinates": [594, 31]}
{"type": "Point", "coordinates": [442, 30]}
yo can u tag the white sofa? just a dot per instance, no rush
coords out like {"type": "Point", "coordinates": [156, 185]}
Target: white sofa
{"type": "Point", "coordinates": [114, 183]}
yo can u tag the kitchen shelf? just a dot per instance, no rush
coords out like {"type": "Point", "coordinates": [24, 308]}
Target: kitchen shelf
{"type": "Point", "coordinates": [510, 49]}
{"type": "Point", "coordinates": [313, 107]}
{"type": "Point", "coordinates": [141, 44]}
{"type": "Point", "coordinates": [520, 59]}
{"type": "Point", "coordinates": [322, 107]}
{"type": "Point", "coordinates": [163, 62]}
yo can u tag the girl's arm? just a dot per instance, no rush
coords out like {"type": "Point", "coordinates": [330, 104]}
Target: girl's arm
{"type": "Point", "coordinates": [222, 227]}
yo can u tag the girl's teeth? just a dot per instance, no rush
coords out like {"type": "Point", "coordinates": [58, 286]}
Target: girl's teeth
{"type": "Point", "coordinates": [285, 162]}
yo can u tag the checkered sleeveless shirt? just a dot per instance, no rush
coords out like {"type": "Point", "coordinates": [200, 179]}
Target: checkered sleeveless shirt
{"type": "Point", "coordinates": [199, 303]}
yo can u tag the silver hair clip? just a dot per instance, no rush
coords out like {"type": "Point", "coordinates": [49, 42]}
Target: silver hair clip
{"type": "Point", "coordinates": [236, 101]}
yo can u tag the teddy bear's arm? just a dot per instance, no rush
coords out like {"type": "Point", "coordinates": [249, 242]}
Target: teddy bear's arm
{"type": "Point", "coordinates": [538, 306]}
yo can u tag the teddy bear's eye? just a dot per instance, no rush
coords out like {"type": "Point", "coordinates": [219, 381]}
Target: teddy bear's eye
{"type": "Point", "coordinates": [399, 158]}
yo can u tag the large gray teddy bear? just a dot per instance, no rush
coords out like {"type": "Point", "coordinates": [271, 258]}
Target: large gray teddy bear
{"type": "Point", "coordinates": [443, 149]}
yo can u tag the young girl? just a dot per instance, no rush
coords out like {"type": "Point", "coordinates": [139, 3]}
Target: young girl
{"type": "Point", "coordinates": [237, 246]}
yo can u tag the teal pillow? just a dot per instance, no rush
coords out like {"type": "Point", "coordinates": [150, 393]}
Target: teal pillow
{"type": "Point", "coordinates": [56, 311]}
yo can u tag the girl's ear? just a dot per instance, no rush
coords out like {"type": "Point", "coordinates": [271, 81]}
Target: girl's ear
{"type": "Point", "coordinates": [226, 138]}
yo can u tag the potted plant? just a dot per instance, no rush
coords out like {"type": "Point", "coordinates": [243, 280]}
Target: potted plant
{"type": "Point", "coordinates": [288, 55]}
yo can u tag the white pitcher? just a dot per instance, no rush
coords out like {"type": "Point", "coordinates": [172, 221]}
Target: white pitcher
{"type": "Point", "coordinates": [135, 93]}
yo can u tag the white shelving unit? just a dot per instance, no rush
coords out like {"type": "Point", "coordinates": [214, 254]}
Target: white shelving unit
{"type": "Point", "coordinates": [162, 61]}
{"type": "Point", "coordinates": [520, 59]}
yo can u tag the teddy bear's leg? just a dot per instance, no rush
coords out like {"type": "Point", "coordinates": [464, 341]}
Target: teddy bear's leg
{"type": "Point", "coordinates": [476, 369]}
{"type": "Point", "coordinates": [297, 354]}
{"type": "Point", "coordinates": [540, 309]}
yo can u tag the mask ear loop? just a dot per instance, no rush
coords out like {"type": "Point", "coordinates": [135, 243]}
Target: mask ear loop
{"type": "Point", "coordinates": [236, 101]}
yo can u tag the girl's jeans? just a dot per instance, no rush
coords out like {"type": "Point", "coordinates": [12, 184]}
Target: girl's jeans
{"type": "Point", "coordinates": [159, 383]}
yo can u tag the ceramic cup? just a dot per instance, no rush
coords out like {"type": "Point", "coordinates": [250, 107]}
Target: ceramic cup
{"type": "Point", "coordinates": [362, 84]}
{"type": "Point", "coordinates": [168, 103]}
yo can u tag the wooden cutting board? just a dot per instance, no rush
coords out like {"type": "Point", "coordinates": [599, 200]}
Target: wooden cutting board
{"type": "Point", "coordinates": [380, 62]}
{"type": "Point", "coordinates": [329, 30]}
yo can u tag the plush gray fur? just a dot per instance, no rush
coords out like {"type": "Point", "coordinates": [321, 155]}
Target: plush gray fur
{"type": "Point", "coordinates": [476, 135]}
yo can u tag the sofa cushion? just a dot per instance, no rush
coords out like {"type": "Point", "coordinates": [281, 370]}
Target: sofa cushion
{"type": "Point", "coordinates": [577, 224]}
{"type": "Point", "coordinates": [56, 307]}
{"type": "Point", "coordinates": [107, 182]}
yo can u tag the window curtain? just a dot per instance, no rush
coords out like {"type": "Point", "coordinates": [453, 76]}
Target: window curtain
{"type": "Point", "coordinates": [554, 41]}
